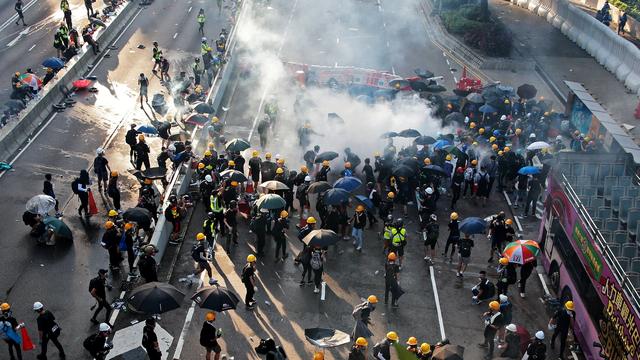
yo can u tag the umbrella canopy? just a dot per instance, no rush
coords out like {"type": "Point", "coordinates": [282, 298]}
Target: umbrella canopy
{"type": "Point", "coordinates": [389, 134]}
{"type": "Point", "coordinates": [409, 133]}
{"type": "Point", "coordinates": [349, 183]}
{"type": "Point", "coordinates": [318, 187]}
{"type": "Point", "coordinates": [273, 185]}
{"type": "Point", "coordinates": [441, 144]}
{"type": "Point", "coordinates": [411, 162]}
{"type": "Point", "coordinates": [154, 298]}
{"type": "Point", "coordinates": [81, 84]}
{"type": "Point", "coordinates": [492, 94]}
{"type": "Point", "coordinates": [529, 170]}
{"type": "Point", "coordinates": [147, 129]}
{"type": "Point", "coordinates": [204, 108]}
{"type": "Point", "coordinates": [271, 202]}
{"type": "Point", "coordinates": [486, 109]}
{"type": "Point", "coordinates": [41, 204]}
{"type": "Point", "coordinates": [435, 88]}
{"type": "Point", "coordinates": [31, 80]}
{"type": "Point", "coordinates": [521, 251]}
{"type": "Point", "coordinates": [54, 63]}
{"type": "Point", "coordinates": [139, 215]}
{"type": "Point", "coordinates": [527, 91]}
{"type": "Point", "coordinates": [197, 119]}
{"type": "Point", "coordinates": [216, 298]}
{"type": "Point", "coordinates": [321, 238]}
{"type": "Point", "coordinates": [435, 170]}
{"type": "Point", "coordinates": [506, 90]}
{"type": "Point", "coordinates": [60, 229]}
{"type": "Point", "coordinates": [233, 175]}
{"type": "Point", "coordinates": [475, 98]}
{"type": "Point", "coordinates": [424, 140]}
{"type": "Point", "coordinates": [423, 73]}
{"type": "Point", "coordinates": [448, 352]}
{"type": "Point", "coordinates": [473, 225]}
{"type": "Point", "coordinates": [455, 151]}
{"type": "Point", "coordinates": [403, 171]}
{"type": "Point", "coordinates": [454, 117]}
{"type": "Point", "coordinates": [538, 145]}
{"type": "Point", "coordinates": [237, 144]}
{"type": "Point", "coordinates": [326, 338]}
{"type": "Point", "coordinates": [336, 196]}
{"type": "Point", "coordinates": [365, 201]}
{"type": "Point", "coordinates": [327, 155]}
{"type": "Point", "coordinates": [15, 105]}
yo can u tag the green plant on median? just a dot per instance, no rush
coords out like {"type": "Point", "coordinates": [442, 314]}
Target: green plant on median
{"type": "Point", "coordinates": [631, 7]}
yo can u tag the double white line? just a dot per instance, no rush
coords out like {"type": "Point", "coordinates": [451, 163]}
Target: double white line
{"type": "Point", "coordinates": [14, 17]}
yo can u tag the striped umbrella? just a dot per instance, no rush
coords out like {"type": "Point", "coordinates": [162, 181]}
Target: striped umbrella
{"type": "Point", "coordinates": [521, 251]}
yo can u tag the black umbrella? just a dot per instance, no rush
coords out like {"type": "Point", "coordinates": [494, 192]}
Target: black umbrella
{"type": "Point", "coordinates": [237, 144]}
{"type": "Point", "coordinates": [409, 133]}
{"type": "Point", "coordinates": [435, 170]}
{"type": "Point", "coordinates": [411, 162]}
{"type": "Point", "coordinates": [140, 216]}
{"type": "Point", "coordinates": [318, 187]}
{"type": "Point", "coordinates": [461, 92]}
{"type": "Point", "coordinates": [389, 134]}
{"type": "Point", "coordinates": [321, 238]}
{"type": "Point", "coordinates": [154, 298]}
{"type": "Point", "coordinates": [492, 94]}
{"type": "Point", "coordinates": [403, 171]}
{"type": "Point", "coordinates": [336, 196]}
{"type": "Point", "coordinates": [204, 108]}
{"type": "Point", "coordinates": [435, 88]}
{"type": "Point", "coordinates": [527, 91]}
{"type": "Point", "coordinates": [454, 117]}
{"type": "Point", "coordinates": [422, 73]}
{"type": "Point", "coordinates": [216, 298]}
{"type": "Point", "coordinates": [424, 140]}
{"type": "Point", "coordinates": [233, 175]}
{"type": "Point", "coordinates": [327, 155]}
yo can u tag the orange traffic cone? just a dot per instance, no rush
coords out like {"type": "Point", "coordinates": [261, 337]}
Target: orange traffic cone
{"type": "Point", "coordinates": [27, 344]}
{"type": "Point", "coordinates": [93, 209]}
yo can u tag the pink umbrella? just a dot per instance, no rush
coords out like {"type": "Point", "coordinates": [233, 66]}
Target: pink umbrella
{"type": "Point", "coordinates": [81, 84]}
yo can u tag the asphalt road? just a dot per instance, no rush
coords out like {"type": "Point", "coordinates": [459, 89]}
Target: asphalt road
{"type": "Point", "coordinates": [58, 276]}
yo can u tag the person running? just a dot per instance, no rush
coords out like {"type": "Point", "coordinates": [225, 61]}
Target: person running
{"type": "Point", "coordinates": [249, 281]}
{"type": "Point", "coordinates": [97, 289]}
{"type": "Point", "coordinates": [48, 330]}
{"type": "Point", "coordinates": [9, 327]}
{"type": "Point", "coordinates": [209, 337]}
{"type": "Point", "coordinates": [143, 82]}
{"type": "Point", "coordinates": [199, 255]}
{"type": "Point", "coordinates": [150, 339]}
{"type": "Point", "coordinates": [18, 8]}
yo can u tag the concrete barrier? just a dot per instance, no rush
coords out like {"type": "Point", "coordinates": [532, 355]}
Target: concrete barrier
{"type": "Point", "coordinates": [533, 5]}
{"type": "Point", "coordinates": [38, 111]}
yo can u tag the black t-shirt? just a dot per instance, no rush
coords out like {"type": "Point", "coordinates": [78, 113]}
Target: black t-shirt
{"type": "Point", "coordinates": [230, 217]}
{"type": "Point", "coordinates": [148, 337]}
{"type": "Point", "coordinates": [563, 318]}
{"type": "Point", "coordinates": [208, 336]}
{"type": "Point", "coordinates": [465, 247]}
{"type": "Point", "coordinates": [100, 164]}
{"type": "Point", "coordinates": [46, 321]}
{"type": "Point", "coordinates": [98, 284]}
{"type": "Point", "coordinates": [391, 272]}
{"type": "Point", "coordinates": [247, 273]}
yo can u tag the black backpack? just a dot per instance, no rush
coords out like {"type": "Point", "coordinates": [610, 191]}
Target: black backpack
{"type": "Point", "coordinates": [195, 252]}
{"type": "Point", "coordinates": [74, 186]}
{"type": "Point", "coordinates": [88, 342]}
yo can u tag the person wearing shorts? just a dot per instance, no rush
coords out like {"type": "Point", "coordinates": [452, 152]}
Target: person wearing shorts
{"type": "Point", "coordinates": [209, 336]}
{"type": "Point", "coordinates": [464, 254]}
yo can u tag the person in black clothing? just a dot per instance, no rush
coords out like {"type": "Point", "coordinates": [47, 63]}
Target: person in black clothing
{"type": "Point", "coordinates": [562, 320]}
{"type": "Point", "coordinates": [112, 189]}
{"type": "Point", "coordinates": [147, 265]}
{"type": "Point", "coordinates": [48, 190]}
{"type": "Point", "coordinates": [142, 153]}
{"type": "Point", "coordinates": [199, 255]}
{"type": "Point", "coordinates": [18, 8]}
{"type": "Point", "coordinates": [454, 236]}
{"type": "Point", "coordinates": [254, 168]}
{"type": "Point", "coordinates": [537, 349]}
{"type": "Point", "coordinates": [209, 337]}
{"type": "Point", "coordinates": [89, 5]}
{"type": "Point", "coordinates": [280, 227]}
{"type": "Point", "coordinates": [129, 234]}
{"type": "Point", "coordinates": [525, 272]}
{"type": "Point", "coordinates": [231, 223]}
{"type": "Point", "coordinates": [464, 252]}
{"type": "Point", "coordinates": [367, 170]}
{"type": "Point", "coordinates": [97, 288]}
{"type": "Point", "coordinates": [622, 21]}
{"type": "Point", "coordinates": [391, 279]}
{"type": "Point", "coordinates": [259, 227]}
{"type": "Point", "coordinates": [535, 188]}
{"type": "Point", "coordinates": [98, 344]}
{"type": "Point", "coordinates": [249, 281]}
{"type": "Point", "coordinates": [48, 330]}
{"type": "Point", "coordinates": [483, 290]}
{"type": "Point", "coordinates": [111, 242]}
{"type": "Point", "coordinates": [493, 320]}
{"type": "Point", "coordinates": [497, 234]}
{"type": "Point", "coordinates": [9, 322]}
{"type": "Point", "coordinates": [83, 192]}
{"type": "Point", "coordinates": [150, 340]}
{"type": "Point", "coordinates": [373, 195]}
{"type": "Point", "coordinates": [131, 139]}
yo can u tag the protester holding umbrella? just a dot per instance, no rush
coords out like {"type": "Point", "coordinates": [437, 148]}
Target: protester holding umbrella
{"type": "Point", "coordinates": [209, 336]}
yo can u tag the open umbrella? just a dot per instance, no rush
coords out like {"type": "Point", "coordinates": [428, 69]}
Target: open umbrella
{"type": "Point", "coordinates": [197, 119]}
{"type": "Point", "coordinates": [233, 175]}
{"type": "Point", "coordinates": [435, 170]}
{"type": "Point", "coordinates": [487, 109]}
{"type": "Point", "coordinates": [424, 140]}
{"type": "Point", "coordinates": [506, 90]}
{"type": "Point", "coordinates": [454, 117]}
{"type": "Point", "coordinates": [529, 170]}
{"type": "Point", "coordinates": [440, 144]}
{"type": "Point", "coordinates": [59, 228]}
{"type": "Point", "coordinates": [472, 225]}
{"type": "Point", "coordinates": [411, 162]}
{"type": "Point", "coordinates": [435, 88]}
{"type": "Point", "coordinates": [538, 145]}
{"type": "Point", "coordinates": [521, 251]}
{"type": "Point", "coordinates": [455, 151]}
{"type": "Point", "coordinates": [422, 73]}
{"type": "Point", "coordinates": [527, 91]}
{"type": "Point", "coordinates": [318, 187]}
{"type": "Point", "coordinates": [139, 215]}
{"type": "Point", "coordinates": [271, 202]}
{"type": "Point", "coordinates": [147, 129]}
{"type": "Point", "coordinates": [492, 94]}
{"type": "Point", "coordinates": [365, 201]}
{"type": "Point", "coordinates": [389, 134]}
{"type": "Point", "coordinates": [403, 171]}
{"type": "Point", "coordinates": [54, 63]}
{"type": "Point", "coordinates": [237, 144]}
{"type": "Point", "coordinates": [336, 196]}
{"type": "Point", "coordinates": [409, 133]}
{"type": "Point", "coordinates": [475, 98]}
{"type": "Point", "coordinates": [448, 352]}
{"type": "Point", "coordinates": [327, 155]}
{"type": "Point", "coordinates": [204, 108]}
{"type": "Point", "coordinates": [273, 185]}
{"type": "Point", "coordinates": [326, 338]}
{"type": "Point", "coordinates": [31, 80]}
{"type": "Point", "coordinates": [81, 84]}
{"type": "Point", "coordinates": [321, 238]}
{"type": "Point", "coordinates": [41, 204]}
{"type": "Point", "coordinates": [216, 298]}
{"type": "Point", "coordinates": [349, 183]}
{"type": "Point", "coordinates": [154, 298]}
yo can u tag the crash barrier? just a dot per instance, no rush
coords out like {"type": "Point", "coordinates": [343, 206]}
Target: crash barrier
{"type": "Point", "coordinates": [180, 180]}
{"type": "Point", "coordinates": [39, 110]}
{"type": "Point", "coordinates": [616, 54]}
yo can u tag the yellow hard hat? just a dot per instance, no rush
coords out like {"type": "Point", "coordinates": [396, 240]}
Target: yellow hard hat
{"type": "Point", "coordinates": [500, 153]}
{"type": "Point", "coordinates": [361, 341]}
{"type": "Point", "coordinates": [113, 213]}
{"type": "Point", "coordinates": [211, 316]}
{"type": "Point", "coordinates": [280, 161]}
{"type": "Point", "coordinates": [284, 214]}
{"type": "Point", "coordinates": [200, 166]}
{"type": "Point", "coordinates": [448, 157]}
{"type": "Point", "coordinates": [325, 163]}
{"type": "Point", "coordinates": [114, 173]}
{"type": "Point", "coordinates": [207, 153]}
{"type": "Point", "coordinates": [569, 305]}
{"type": "Point", "coordinates": [211, 146]}
{"type": "Point", "coordinates": [372, 299]}
{"type": "Point", "coordinates": [474, 162]}
{"type": "Point", "coordinates": [279, 171]}
{"type": "Point", "coordinates": [318, 355]}
{"type": "Point", "coordinates": [141, 137]}
{"type": "Point", "coordinates": [427, 161]}
{"type": "Point", "coordinates": [453, 216]}
{"type": "Point", "coordinates": [425, 348]}
{"type": "Point", "coordinates": [5, 306]}
{"type": "Point", "coordinates": [472, 125]}
{"type": "Point", "coordinates": [109, 224]}
{"type": "Point", "coordinates": [587, 138]}
{"type": "Point", "coordinates": [412, 341]}
{"type": "Point", "coordinates": [234, 183]}
{"type": "Point", "coordinates": [391, 335]}
{"type": "Point", "coordinates": [128, 226]}
{"type": "Point", "coordinates": [200, 237]}
{"type": "Point", "coordinates": [481, 131]}
{"type": "Point", "coordinates": [494, 305]}
{"type": "Point", "coordinates": [311, 220]}
{"type": "Point", "coordinates": [347, 165]}
{"type": "Point", "coordinates": [518, 131]}
{"type": "Point", "coordinates": [475, 143]}
{"type": "Point", "coordinates": [359, 208]}
{"type": "Point", "coordinates": [215, 119]}
{"type": "Point", "coordinates": [251, 258]}
{"type": "Point", "coordinates": [492, 139]}
{"type": "Point", "coordinates": [376, 154]}
{"type": "Point", "coordinates": [392, 256]}
{"type": "Point", "coordinates": [304, 169]}
{"type": "Point", "coordinates": [506, 101]}
{"type": "Point", "coordinates": [494, 146]}
{"type": "Point", "coordinates": [503, 261]}
{"type": "Point", "coordinates": [255, 153]}
{"type": "Point", "coordinates": [509, 222]}
{"type": "Point", "coordinates": [148, 181]}
{"type": "Point", "coordinates": [391, 195]}
{"type": "Point", "coordinates": [507, 149]}
{"type": "Point", "coordinates": [17, 73]}
{"type": "Point", "coordinates": [231, 163]}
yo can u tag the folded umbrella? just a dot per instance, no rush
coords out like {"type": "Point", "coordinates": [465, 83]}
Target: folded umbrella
{"type": "Point", "coordinates": [529, 170]}
{"type": "Point", "coordinates": [54, 63]}
{"type": "Point", "coordinates": [336, 196]}
{"type": "Point", "coordinates": [521, 251]}
{"type": "Point", "coordinates": [448, 352]}
{"type": "Point", "coordinates": [321, 238]}
{"type": "Point", "coordinates": [475, 98]}
{"type": "Point", "coordinates": [147, 129]}
{"type": "Point", "coordinates": [197, 119]}
{"type": "Point", "coordinates": [319, 187]}
{"type": "Point", "coordinates": [349, 183]}
{"type": "Point", "coordinates": [326, 338]}
{"type": "Point", "coordinates": [424, 140]}
{"type": "Point", "coordinates": [41, 204]}
{"type": "Point", "coordinates": [487, 109]}
{"type": "Point", "coordinates": [271, 202]}
{"type": "Point", "coordinates": [204, 108]}
{"type": "Point", "coordinates": [538, 145]}
{"type": "Point", "coordinates": [327, 155]}
{"type": "Point", "coordinates": [237, 144]}
{"type": "Point", "coordinates": [365, 201]}
{"type": "Point", "coordinates": [409, 133]}
{"type": "Point", "coordinates": [216, 298]}
{"type": "Point", "coordinates": [472, 225]}
{"type": "Point", "coordinates": [403, 171]}
{"type": "Point", "coordinates": [273, 185]}
{"type": "Point", "coordinates": [154, 298]}
{"type": "Point", "coordinates": [233, 175]}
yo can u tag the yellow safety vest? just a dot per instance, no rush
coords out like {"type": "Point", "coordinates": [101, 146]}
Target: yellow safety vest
{"type": "Point", "coordinates": [387, 232]}
{"type": "Point", "coordinates": [398, 237]}
{"type": "Point", "coordinates": [201, 19]}
{"type": "Point", "coordinates": [215, 204]}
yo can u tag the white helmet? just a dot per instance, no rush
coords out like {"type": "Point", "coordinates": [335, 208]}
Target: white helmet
{"type": "Point", "coordinates": [429, 191]}
{"type": "Point", "coordinates": [307, 178]}
{"type": "Point", "coordinates": [37, 306]}
{"type": "Point", "coordinates": [104, 327]}
{"type": "Point", "coordinates": [99, 151]}
{"type": "Point", "coordinates": [540, 335]}
{"type": "Point", "coordinates": [511, 327]}
{"type": "Point", "coordinates": [434, 217]}
{"type": "Point", "coordinates": [503, 117]}
{"type": "Point", "coordinates": [204, 39]}
{"type": "Point", "coordinates": [466, 119]}
{"type": "Point", "coordinates": [503, 298]}
{"type": "Point", "coordinates": [532, 135]}
{"type": "Point", "coordinates": [171, 147]}
{"type": "Point", "coordinates": [277, 156]}
{"type": "Point", "coordinates": [208, 178]}
{"type": "Point", "coordinates": [559, 138]}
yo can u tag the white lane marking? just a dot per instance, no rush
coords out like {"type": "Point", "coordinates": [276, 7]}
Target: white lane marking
{"type": "Point", "coordinates": [32, 46]}
{"type": "Point", "coordinates": [114, 314]}
{"type": "Point", "coordinates": [544, 285]}
{"type": "Point", "coordinates": [337, 40]}
{"type": "Point", "coordinates": [190, 7]}
{"type": "Point", "coordinates": [20, 35]}
{"type": "Point", "coordinates": [14, 17]}
{"type": "Point", "coordinates": [187, 322]}
{"type": "Point", "coordinates": [175, 35]}
{"type": "Point", "coordinates": [437, 300]}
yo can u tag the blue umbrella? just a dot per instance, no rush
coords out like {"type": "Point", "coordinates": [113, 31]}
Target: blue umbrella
{"type": "Point", "coordinates": [365, 201]}
{"type": "Point", "coordinates": [440, 144]}
{"type": "Point", "coordinates": [486, 108]}
{"type": "Point", "coordinates": [147, 129]}
{"type": "Point", "coordinates": [473, 225]}
{"type": "Point", "coordinates": [529, 170]}
{"type": "Point", "coordinates": [54, 63]}
{"type": "Point", "coordinates": [336, 196]}
{"type": "Point", "coordinates": [348, 183]}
